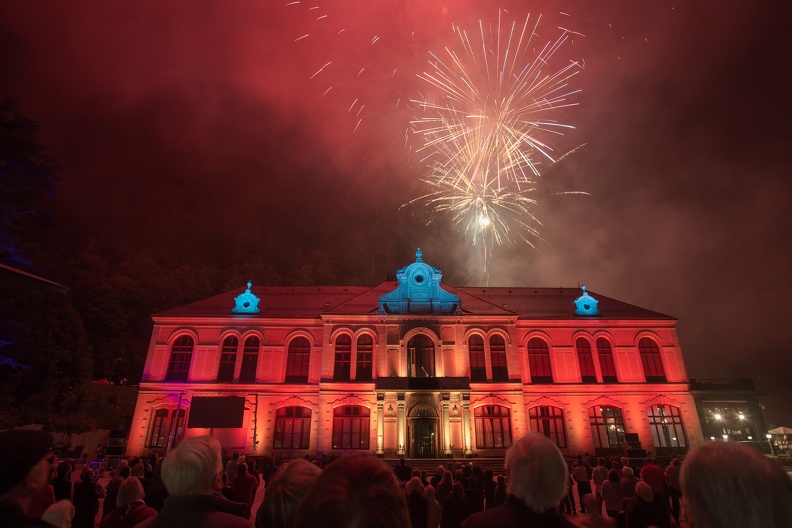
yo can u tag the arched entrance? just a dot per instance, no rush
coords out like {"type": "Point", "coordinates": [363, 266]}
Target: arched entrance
{"type": "Point", "coordinates": [420, 357]}
{"type": "Point", "coordinates": [423, 430]}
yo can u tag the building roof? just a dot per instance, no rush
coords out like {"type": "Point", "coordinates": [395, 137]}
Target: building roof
{"type": "Point", "coordinates": [316, 301]}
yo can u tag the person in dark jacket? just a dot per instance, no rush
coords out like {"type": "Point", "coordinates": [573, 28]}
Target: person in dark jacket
{"type": "Point", "coordinates": [455, 508]}
{"type": "Point", "coordinates": [25, 459]}
{"type": "Point", "coordinates": [538, 480]}
{"type": "Point", "coordinates": [86, 500]}
{"type": "Point", "coordinates": [62, 483]}
{"type": "Point", "coordinates": [192, 472]}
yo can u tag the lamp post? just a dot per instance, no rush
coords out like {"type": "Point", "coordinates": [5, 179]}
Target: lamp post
{"type": "Point", "coordinates": [770, 443]}
{"type": "Point", "coordinates": [110, 379]}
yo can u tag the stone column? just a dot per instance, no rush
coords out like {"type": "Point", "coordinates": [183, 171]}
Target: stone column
{"type": "Point", "coordinates": [380, 427]}
{"type": "Point", "coordinates": [466, 427]}
{"type": "Point", "coordinates": [446, 428]}
{"type": "Point", "coordinates": [400, 422]}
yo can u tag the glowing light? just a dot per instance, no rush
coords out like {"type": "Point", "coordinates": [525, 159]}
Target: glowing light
{"type": "Point", "coordinates": [717, 416]}
{"type": "Point", "coordinates": [742, 416]}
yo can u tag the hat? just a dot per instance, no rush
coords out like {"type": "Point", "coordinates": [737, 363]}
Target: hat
{"type": "Point", "coordinates": [20, 451]}
{"type": "Point", "coordinates": [644, 491]}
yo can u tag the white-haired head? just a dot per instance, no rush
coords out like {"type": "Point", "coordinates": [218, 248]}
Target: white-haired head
{"type": "Point", "coordinates": [194, 467]}
{"type": "Point", "coordinates": [537, 472]}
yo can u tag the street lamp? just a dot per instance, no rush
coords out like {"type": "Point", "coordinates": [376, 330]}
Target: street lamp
{"type": "Point", "coordinates": [110, 379]}
{"type": "Point", "coordinates": [770, 443]}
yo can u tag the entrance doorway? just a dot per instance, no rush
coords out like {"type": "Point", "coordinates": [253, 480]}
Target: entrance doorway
{"type": "Point", "coordinates": [424, 438]}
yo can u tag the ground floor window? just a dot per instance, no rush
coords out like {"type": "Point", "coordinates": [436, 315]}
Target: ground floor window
{"type": "Point", "coordinates": [493, 427]}
{"type": "Point", "coordinates": [292, 428]}
{"type": "Point", "coordinates": [665, 422]}
{"type": "Point", "coordinates": [607, 426]}
{"type": "Point", "coordinates": [549, 421]}
{"type": "Point", "coordinates": [158, 429]}
{"type": "Point", "coordinates": [351, 427]}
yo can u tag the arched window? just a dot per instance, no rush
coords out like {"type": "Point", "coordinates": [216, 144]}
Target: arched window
{"type": "Point", "coordinates": [549, 421]}
{"type": "Point", "coordinates": [587, 373]}
{"type": "Point", "coordinates": [247, 373]}
{"type": "Point", "coordinates": [343, 358]}
{"type": "Point", "coordinates": [292, 428]}
{"type": "Point", "coordinates": [297, 360]}
{"type": "Point", "coordinates": [493, 427]}
{"type": "Point", "coordinates": [651, 361]}
{"type": "Point", "coordinates": [157, 431]}
{"type": "Point", "coordinates": [665, 421]}
{"type": "Point", "coordinates": [351, 427]}
{"type": "Point", "coordinates": [180, 358]}
{"type": "Point", "coordinates": [365, 353]}
{"type": "Point", "coordinates": [539, 361]}
{"type": "Point", "coordinates": [420, 357]}
{"type": "Point", "coordinates": [607, 367]}
{"type": "Point", "coordinates": [500, 371]}
{"type": "Point", "coordinates": [607, 426]}
{"type": "Point", "coordinates": [478, 367]}
{"type": "Point", "coordinates": [225, 374]}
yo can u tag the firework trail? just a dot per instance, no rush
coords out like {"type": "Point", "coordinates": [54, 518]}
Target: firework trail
{"type": "Point", "coordinates": [488, 125]}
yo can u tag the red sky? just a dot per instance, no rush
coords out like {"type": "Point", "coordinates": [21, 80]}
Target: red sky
{"type": "Point", "coordinates": [198, 120]}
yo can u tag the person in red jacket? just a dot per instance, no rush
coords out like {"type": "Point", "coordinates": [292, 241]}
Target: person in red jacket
{"type": "Point", "coordinates": [130, 510]}
{"type": "Point", "coordinates": [244, 485]}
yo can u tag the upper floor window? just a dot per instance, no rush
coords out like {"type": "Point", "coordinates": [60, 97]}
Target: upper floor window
{"type": "Point", "coordinates": [549, 421]}
{"type": "Point", "coordinates": [420, 357]}
{"type": "Point", "coordinates": [292, 428]}
{"type": "Point", "coordinates": [365, 352]}
{"type": "Point", "coordinates": [247, 373]}
{"type": "Point", "coordinates": [351, 427]}
{"type": "Point", "coordinates": [587, 373]}
{"type": "Point", "coordinates": [297, 360]}
{"type": "Point", "coordinates": [539, 361]}
{"type": "Point", "coordinates": [343, 358]}
{"type": "Point", "coordinates": [500, 372]}
{"type": "Point", "coordinates": [651, 361]}
{"type": "Point", "coordinates": [180, 358]}
{"type": "Point", "coordinates": [228, 353]}
{"type": "Point", "coordinates": [607, 367]}
{"type": "Point", "coordinates": [493, 427]}
{"type": "Point", "coordinates": [607, 426]}
{"type": "Point", "coordinates": [478, 366]}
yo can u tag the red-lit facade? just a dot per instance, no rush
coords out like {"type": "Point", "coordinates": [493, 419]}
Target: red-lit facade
{"type": "Point", "coordinates": [418, 368]}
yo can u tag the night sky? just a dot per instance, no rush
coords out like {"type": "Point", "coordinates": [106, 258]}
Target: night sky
{"type": "Point", "coordinates": [196, 126]}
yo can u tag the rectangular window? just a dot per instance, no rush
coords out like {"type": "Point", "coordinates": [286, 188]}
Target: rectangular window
{"type": "Point", "coordinates": [351, 427]}
{"type": "Point", "coordinates": [292, 428]}
{"type": "Point", "coordinates": [493, 427]}
{"type": "Point", "coordinates": [478, 366]}
{"type": "Point", "coordinates": [500, 372]}
{"type": "Point", "coordinates": [607, 367]}
{"type": "Point", "coordinates": [365, 348]}
{"type": "Point", "coordinates": [343, 358]}
{"type": "Point", "coordinates": [157, 430]}
{"type": "Point", "coordinates": [550, 422]}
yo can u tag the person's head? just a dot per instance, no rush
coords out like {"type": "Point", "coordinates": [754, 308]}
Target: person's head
{"type": "Point", "coordinates": [242, 469]}
{"type": "Point", "coordinates": [457, 490]}
{"type": "Point", "coordinates": [63, 470]}
{"type": "Point", "coordinates": [676, 463]}
{"type": "Point", "coordinates": [601, 462]}
{"type": "Point", "coordinates": [448, 478]}
{"type": "Point", "coordinates": [284, 493]}
{"type": "Point", "coordinates": [414, 485]}
{"type": "Point", "coordinates": [615, 464]}
{"type": "Point", "coordinates": [501, 481]}
{"type": "Point", "coordinates": [26, 460]}
{"type": "Point", "coordinates": [431, 493]}
{"type": "Point", "coordinates": [235, 456]}
{"type": "Point", "coordinates": [193, 467]}
{"type": "Point", "coordinates": [643, 491]}
{"type": "Point", "coordinates": [628, 472]}
{"type": "Point", "coordinates": [131, 490]}
{"type": "Point", "coordinates": [87, 475]}
{"type": "Point", "coordinates": [613, 475]}
{"type": "Point", "coordinates": [125, 472]}
{"type": "Point", "coordinates": [358, 491]}
{"type": "Point", "coordinates": [593, 504]}
{"type": "Point", "coordinates": [488, 475]}
{"type": "Point", "coordinates": [440, 470]}
{"type": "Point", "coordinates": [537, 472]}
{"type": "Point", "coordinates": [416, 473]}
{"type": "Point", "coordinates": [716, 474]}
{"type": "Point", "coordinates": [59, 514]}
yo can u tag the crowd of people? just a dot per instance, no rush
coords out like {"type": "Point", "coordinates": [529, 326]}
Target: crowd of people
{"type": "Point", "coordinates": [718, 485]}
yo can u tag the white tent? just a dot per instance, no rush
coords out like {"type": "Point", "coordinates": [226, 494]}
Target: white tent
{"type": "Point", "coordinates": [781, 430]}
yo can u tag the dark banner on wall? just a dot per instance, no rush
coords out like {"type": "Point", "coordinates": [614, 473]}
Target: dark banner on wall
{"type": "Point", "coordinates": [216, 412]}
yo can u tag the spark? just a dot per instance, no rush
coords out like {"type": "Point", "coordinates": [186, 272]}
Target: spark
{"type": "Point", "coordinates": [320, 70]}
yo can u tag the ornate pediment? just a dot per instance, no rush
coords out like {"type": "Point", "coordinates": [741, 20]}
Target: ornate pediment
{"type": "Point", "coordinates": [419, 292]}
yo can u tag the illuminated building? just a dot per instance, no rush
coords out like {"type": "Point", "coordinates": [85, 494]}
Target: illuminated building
{"type": "Point", "coordinates": [414, 367]}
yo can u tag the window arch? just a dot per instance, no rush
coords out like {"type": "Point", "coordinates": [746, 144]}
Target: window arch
{"type": "Point", "coordinates": [297, 360]}
{"type": "Point", "coordinates": [351, 427]}
{"type": "Point", "coordinates": [228, 353]}
{"type": "Point", "coordinates": [549, 421]}
{"type": "Point", "coordinates": [607, 366]}
{"type": "Point", "coordinates": [500, 371]}
{"type": "Point", "coordinates": [420, 357]}
{"type": "Point", "coordinates": [478, 366]}
{"type": "Point", "coordinates": [365, 357]}
{"type": "Point", "coordinates": [180, 358]}
{"type": "Point", "coordinates": [651, 361]}
{"type": "Point", "coordinates": [665, 421]}
{"type": "Point", "coordinates": [493, 427]}
{"type": "Point", "coordinates": [250, 353]}
{"type": "Point", "coordinates": [343, 357]}
{"type": "Point", "coordinates": [607, 426]}
{"type": "Point", "coordinates": [585, 360]}
{"type": "Point", "coordinates": [292, 428]}
{"type": "Point", "coordinates": [539, 361]}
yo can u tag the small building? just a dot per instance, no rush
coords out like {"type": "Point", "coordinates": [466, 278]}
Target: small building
{"type": "Point", "coordinates": [414, 367]}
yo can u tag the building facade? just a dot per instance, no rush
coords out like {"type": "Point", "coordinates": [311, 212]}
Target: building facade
{"type": "Point", "coordinates": [415, 368]}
